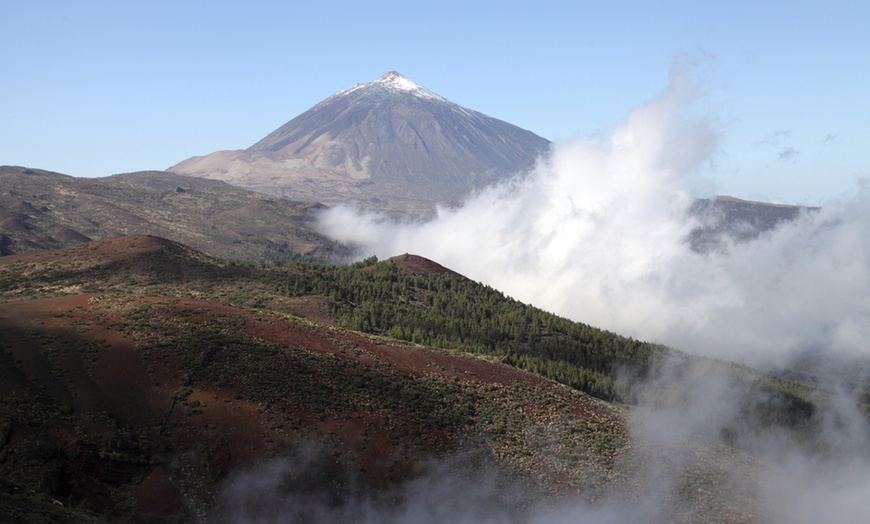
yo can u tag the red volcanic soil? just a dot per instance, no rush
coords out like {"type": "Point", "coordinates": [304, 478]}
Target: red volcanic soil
{"type": "Point", "coordinates": [131, 421]}
{"type": "Point", "coordinates": [101, 251]}
{"type": "Point", "coordinates": [113, 384]}
{"type": "Point", "coordinates": [413, 360]}
{"type": "Point", "coordinates": [312, 307]}
{"type": "Point", "coordinates": [67, 352]}
{"type": "Point", "coordinates": [417, 265]}
{"type": "Point", "coordinates": [157, 496]}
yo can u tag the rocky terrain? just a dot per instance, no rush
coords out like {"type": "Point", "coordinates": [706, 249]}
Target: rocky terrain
{"type": "Point", "coordinates": [43, 210]}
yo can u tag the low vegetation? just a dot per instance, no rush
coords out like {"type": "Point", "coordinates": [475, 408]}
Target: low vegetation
{"type": "Point", "coordinates": [135, 366]}
{"type": "Point", "coordinates": [137, 375]}
{"type": "Point", "coordinates": [42, 210]}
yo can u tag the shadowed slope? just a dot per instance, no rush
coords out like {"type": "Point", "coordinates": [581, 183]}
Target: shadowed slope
{"type": "Point", "coordinates": [135, 405]}
{"type": "Point", "coordinates": [42, 210]}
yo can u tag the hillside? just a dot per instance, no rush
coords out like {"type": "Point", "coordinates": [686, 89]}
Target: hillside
{"type": "Point", "coordinates": [138, 380]}
{"type": "Point", "coordinates": [727, 218]}
{"type": "Point", "coordinates": [42, 210]}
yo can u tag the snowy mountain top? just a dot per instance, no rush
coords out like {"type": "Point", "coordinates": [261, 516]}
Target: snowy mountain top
{"type": "Point", "coordinates": [396, 82]}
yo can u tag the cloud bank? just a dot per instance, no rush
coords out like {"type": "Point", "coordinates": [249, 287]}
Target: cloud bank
{"type": "Point", "coordinates": [597, 232]}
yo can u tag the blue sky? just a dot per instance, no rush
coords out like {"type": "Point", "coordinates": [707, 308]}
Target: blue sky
{"type": "Point", "coordinates": [92, 88]}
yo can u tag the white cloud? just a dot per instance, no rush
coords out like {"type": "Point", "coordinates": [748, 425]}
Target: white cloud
{"type": "Point", "coordinates": [597, 233]}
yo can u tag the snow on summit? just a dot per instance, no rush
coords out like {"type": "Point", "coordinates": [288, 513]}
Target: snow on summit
{"type": "Point", "coordinates": [397, 81]}
{"type": "Point", "coordinates": [387, 144]}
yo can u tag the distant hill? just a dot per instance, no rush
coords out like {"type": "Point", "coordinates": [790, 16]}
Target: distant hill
{"type": "Point", "coordinates": [725, 217]}
{"type": "Point", "coordinates": [43, 210]}
{"type": "Point", "coordinates": [388, 144]}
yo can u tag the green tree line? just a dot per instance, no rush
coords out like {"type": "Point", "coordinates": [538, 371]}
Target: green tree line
{"type": "Point", "coordinates": [449, 311]}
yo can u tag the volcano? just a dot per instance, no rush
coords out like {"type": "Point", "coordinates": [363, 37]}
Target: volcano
{"type": "Point", "coordinates": [389, 144]}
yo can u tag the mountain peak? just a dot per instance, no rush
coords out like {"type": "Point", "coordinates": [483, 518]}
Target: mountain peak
{"type": "Point", "coordinates": [394, 77]}
{"type": "Point", "coordinates": [395, 82]}
{"type": "Point", "coordinates": [390, 143]}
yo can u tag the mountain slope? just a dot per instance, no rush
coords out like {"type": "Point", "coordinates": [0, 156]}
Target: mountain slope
{"type": "Point", "coordinates": [141, 380]}
{"type": "Point", "coordinates": [726, 218]}
{"type": "Point", "coordinates": [387, 144]}
{"type": "Point", "coordinates": [44, 210]}
{"type": "Point", "coordinates": [147, 406]}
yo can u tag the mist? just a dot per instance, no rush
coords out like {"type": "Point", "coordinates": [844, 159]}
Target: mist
{"type": "Point", "coordinates": [697, 455]}
{"type": "Point", "coordinates": [597, 232]}
{"type": "Point", "coordinates": [705, 419]}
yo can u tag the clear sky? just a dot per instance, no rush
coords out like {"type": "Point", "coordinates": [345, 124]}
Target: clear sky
{"type": "Point", "coordinates": [93, 88]}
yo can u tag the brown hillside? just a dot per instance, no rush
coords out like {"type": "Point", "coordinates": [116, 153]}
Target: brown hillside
{"type": "Point", "coordinates": [41, 210]}
{"type": "Point", "coordinates": [417, 265]}
{"type": "Point", "coordinates": [115, 249]}
{"type": "Point", "coordinates": [144, 406]}
{"type": "Point", "coordinates": [141, 380]}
